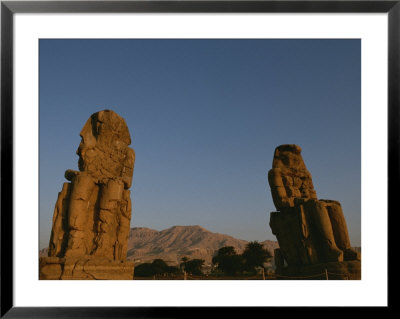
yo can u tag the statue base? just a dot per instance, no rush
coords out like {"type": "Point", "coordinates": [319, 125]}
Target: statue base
{"type": "Point", "coordinates": [345, 270]}
{"type": "Point", "coordinates": [84, 268]}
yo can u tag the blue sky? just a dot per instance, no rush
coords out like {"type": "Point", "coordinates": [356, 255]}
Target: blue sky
{"type": "Point", "coordinates": [205, 117]}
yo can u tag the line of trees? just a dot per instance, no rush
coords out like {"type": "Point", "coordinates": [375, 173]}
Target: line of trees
{"type": "Point", "coordinates": [193, 267]}
{"type": "Point", "coordinates": [159, 267]}
{"type": "Point", "coordinates": [229, 262]}
{"type": "Point", "coordinates": [226, 260]}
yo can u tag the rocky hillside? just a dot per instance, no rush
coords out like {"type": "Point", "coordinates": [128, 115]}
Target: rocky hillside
{"type": "Point", "coordinates": [178, 241]}
{"type": "Point", "coordinates": [172, 244]}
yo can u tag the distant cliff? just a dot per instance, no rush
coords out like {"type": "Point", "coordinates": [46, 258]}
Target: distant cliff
{"type": "Point", "coordinates": [178, 241]}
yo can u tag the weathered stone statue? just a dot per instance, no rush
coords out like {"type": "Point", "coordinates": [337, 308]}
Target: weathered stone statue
{"type": "Point", "coordinates": [309, 231]}
{"type": "Point", "coordinates": [92, 214]}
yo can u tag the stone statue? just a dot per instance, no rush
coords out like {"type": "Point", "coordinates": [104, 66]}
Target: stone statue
{"type": "Point", "coordinates": [309, 231]}
{"type": "Point", "coordinates": [92, 214]}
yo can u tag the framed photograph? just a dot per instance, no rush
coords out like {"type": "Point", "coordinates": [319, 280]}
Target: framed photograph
{"type": "Point", "coordinates": [269, 125]}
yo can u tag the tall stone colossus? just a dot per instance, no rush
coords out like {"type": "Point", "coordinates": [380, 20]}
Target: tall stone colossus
{"type": "Point", "coordinates": [312, 234]}
{"type": "Point", "coordinates": [91, 220]}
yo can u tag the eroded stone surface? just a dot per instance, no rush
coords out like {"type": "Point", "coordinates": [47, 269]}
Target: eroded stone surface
{"type": "Point", "coordinates": [93, 211]}
{"type": "Point", "coordinates": [289, 178]}
{"type": "Point", "coordinates": [84, 268]}
{"type": "Point", "coordinates": [309, 231]}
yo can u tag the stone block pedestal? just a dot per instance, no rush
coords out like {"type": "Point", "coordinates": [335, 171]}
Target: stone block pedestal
{"type": "Point", "coordinates": [84, 268]}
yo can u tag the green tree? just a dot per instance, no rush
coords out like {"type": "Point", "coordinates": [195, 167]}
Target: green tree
{"type": "Point", "coordinates": [183, 263]}
{"type": "Point", "coordinates": [159, 267]}
{"type": "Point", "coordinates": [194, 266]}
{"type": "Point", "coordinates": [144, 270]}
{"type": "Point", "coordinates": [255, 255]}
{"type": "Point", "coordinates": [228, 261]}
{"type": "Point", "coordinates": [226, 251]}
{"type": "Point", "coordinates": [173, 270]}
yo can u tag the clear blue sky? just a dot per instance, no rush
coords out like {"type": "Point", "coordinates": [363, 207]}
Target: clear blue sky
{"type": "Point", "coordinates": [205, 117]}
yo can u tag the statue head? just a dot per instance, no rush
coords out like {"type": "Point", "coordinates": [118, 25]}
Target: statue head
{"type": "Point", "coordinates": [288, 156]}
{"type": "Point", "coordinates": [103, 152]}
{"type": "Point", "coordinates": [289, 178]}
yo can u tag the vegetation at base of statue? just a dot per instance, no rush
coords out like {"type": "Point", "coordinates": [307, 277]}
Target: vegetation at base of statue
{"type": "Point", "coordinates": [228, 262]}
{"type": "Point", "coordinates": [160, 267]}
{"type": "Point", "coordinates": [193, 267]}
{"type": "Point", "coordinates": [157, 267]}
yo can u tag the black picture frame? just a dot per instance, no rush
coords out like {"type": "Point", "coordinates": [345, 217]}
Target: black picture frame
{"type": "Point", "coordinates": [9, 8]}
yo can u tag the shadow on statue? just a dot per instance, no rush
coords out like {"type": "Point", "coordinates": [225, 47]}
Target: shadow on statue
{"type": "Point", "coordinates": [311, 232]}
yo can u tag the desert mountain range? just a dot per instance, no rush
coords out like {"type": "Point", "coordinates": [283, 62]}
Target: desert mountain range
{"type": "Point", "coordinates": [145, 244]}
{"type": "Point", "coordinates": [178, 241]}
